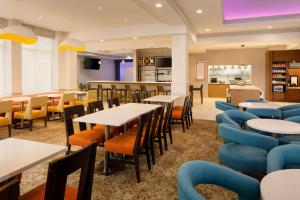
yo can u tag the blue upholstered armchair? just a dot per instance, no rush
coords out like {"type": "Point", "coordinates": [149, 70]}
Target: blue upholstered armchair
{"type": "Point", "coordinates": [237, 117]}
{"type": "Point", "coordinates": [265, 112]}
{"type": "Point", "coordinates": [290, 113]}
{"type": "Point", "coordinates": [247, 152]}
{"type": "Point", "coordinates": [223, 106]}
{"type": "Point", "coordinates": [286, 139]}
{"type": "Point", "coordinates": [255, 100]}
{"type": "Point", "coordinates": [284, 157]}
{"type": "Point", "coordinates": [289, 107]}
{"type": "Point", "coordinates": [197, 172]}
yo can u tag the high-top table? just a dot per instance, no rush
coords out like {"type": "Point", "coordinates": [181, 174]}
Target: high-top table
{"type": "Point", "coordinates": [117, 116]}
{"type": "Point", "coordinates": [19, 155]}
{"type": "Point", "coordinates": [162, 98]}
{"type": "Point", "coordinates": [282, 184]}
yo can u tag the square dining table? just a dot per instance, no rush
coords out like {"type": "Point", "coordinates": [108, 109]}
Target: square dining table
{"type": "Point", "coordinates": [117, 116]}
{"type": "Point", "coordinates": [162, 98]}
{"type": "Point", "coordinates": [18, 155]}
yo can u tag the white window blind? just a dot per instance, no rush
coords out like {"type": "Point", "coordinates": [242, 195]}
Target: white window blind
{"type": "Point", "coordinates": [37, 66]}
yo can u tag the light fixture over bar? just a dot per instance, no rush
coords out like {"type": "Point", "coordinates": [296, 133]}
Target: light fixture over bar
{"type": "Point", "coordinates": [71, 44]}
{"type": "Point", "coordinates": [19, 34]}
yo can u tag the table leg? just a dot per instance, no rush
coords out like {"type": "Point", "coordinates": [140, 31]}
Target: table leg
{"type": "Point", "coordinates": [53, 105]}
{"type": "Point", "coordinates": [22, 109]}
{"type": "Point", "coordinates": [105, 170]}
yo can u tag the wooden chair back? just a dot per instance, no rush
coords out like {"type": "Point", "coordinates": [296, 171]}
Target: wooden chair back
{"type": "Point", "coordinates": [136, 98]}
{"type": "Point", "coordinates": [157, 122]}
{"type": "Point", "coordinates": [95, 106]}
{"type": "Point", "coordinates": [70, 113]}
{"type": "Point", "coordinates": [113, 102]}
{"type": "Point", "coordinates": [10, 190]}
{"type": "Point", "coordinates": [167, 116]}
{"type": "Point", "coordinates": [144, 122]}
{"type": "Point", "coordinates": [58, 171]}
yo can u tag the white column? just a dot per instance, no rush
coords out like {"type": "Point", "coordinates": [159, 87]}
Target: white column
{"type": "Point", "coordinates": [180, 65]}
{"type": "Point", "coordinates": [67, 66]}
{"type": "Point", "coordinates": [134, 65]}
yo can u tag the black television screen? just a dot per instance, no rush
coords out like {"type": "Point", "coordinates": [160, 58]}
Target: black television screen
{"type": "Point", "coordinates": [163, 62]}
{"type": "Point", "coordinates": [92, 63]}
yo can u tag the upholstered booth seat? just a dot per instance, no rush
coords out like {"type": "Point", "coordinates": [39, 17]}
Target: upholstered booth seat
{"type": "Point", "coordinates": [34, 115]}
{"type": "Point", "coordinates": [38, 193]}
{"type": "Point", "coordinates": [197, 172]}
{"type": "Point", "coordinates": [221, 105]}
{"type": "Point", "coordinates": [290, 113]}
{"type": "Point", "coordinates": [247, 151]}
{"type": "Point", "coordinates": [255, 100]}
{"type": "Point", "coordinates": [243, 157]}
{"type": "Point", "coordinates": [284, 157]}
{"type": "Point", "coordinates": [290, 107]}
{"type": "Point", "coordinates": [57, 109]}
{"type": "Point", "coordinates": [86, 137]}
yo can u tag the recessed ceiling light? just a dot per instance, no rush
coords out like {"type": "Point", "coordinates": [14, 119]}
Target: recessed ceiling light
{"type": "Point", "coordinates": [269, 27]}
{"type": "Point", "coordinates": [125, 20]}
{"type": "Point", "coordinates": [199, 11]}
{"type": "Point", "coordinates": [100, 7]}
{"type": "Point", "coordinates": [135, 38]}
{"type": "Point", "coordinates": [101, 40]}
{"type": "Point", "coordinates": [158, 5]}
{"type": "Point", "coordinates": [40, 17]}
{"type": "Point", "coordinates": [207, 30]}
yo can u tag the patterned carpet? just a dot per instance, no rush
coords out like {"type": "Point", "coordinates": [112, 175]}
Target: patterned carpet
{"type": "Point", "coordinates": [198, 143]}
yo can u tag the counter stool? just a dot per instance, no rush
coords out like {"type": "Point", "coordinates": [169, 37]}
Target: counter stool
{"type": "Point", "coordinates": [117, 92]}
{"type": "Point", "coordinates": [107, 89]}
{"type": "Point", "coordinates": [147, 92]}
{"type": "Point", "coordinates": [160, 89]}
{"type": "Point", "coordinates": [128, 93]}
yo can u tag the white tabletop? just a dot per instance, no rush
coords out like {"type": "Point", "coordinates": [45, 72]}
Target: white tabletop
{"type": "Point", "coordinates": [117, 116]}
{"type": "Point", "coordinates": [18, 155]}
{"type": "Point", "coordinates": [76, 92]}
{"type": "Point", "coordinates": [282, 184]}
{"type": "Point", "coordinates": [258, 105]}
{"type": "Point", "coordinates": [54, 95]}
{"type": "Point", "coordinates": [163, 98]}
{"type": "Point", "coordinates": [17, 99]}
{"type": "Point", "coordinates": [243, 87]}
{"type": "Point", "coordinates": [275, 126]}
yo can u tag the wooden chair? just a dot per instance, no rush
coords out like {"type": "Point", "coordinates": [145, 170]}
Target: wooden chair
{"type": "Point", "coordinates": [160, 89]}
{"type": "Point", "coordinates": [58, 171]}
{"type": "Point", "coordinates": [84, 137]}
{"type": "Point", "coordinates": [98, 106]}
{"type": "Point", "coordinates": [107, 89]}
{"type": "Point", "coordinates": [10, 190]}
{"type": "Point", "coordinates": [35, 109]}
{"type": "Point", "coordinates": [131, 145]}
{"type": "Point", "coordinates": [179, 114]}
{"type": "Point", "coordinates": [136, 98]}
{"type": "Point", "coordinates": [145, 93]}
{"type": "Point", "coordinates": [156, 131]}
{"type": "Point", "coordinates": [190, 110]}
{"type": "Point", "coordinates": [66, 100]}
{"type": "Point", "coordinates": [191, 90]}
{"type": "Point", "coordinates": [166, 125]}
{"type": "Point", "coordinates": [113, 102]}
{"type": "Point", "coordinates": [6, 110]}
{"type": "Point", "coordinates": [91, 96]}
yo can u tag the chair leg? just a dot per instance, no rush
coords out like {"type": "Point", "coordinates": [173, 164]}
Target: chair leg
{"type": "Point", "coordinates": [9, 130]}
{"type": "Point", "coordinates": [30, 124]}
{"type": "Point", "coordinates": [170, 135]}
{"type": "Point", "coordinates": [107, 165]}
{"type": "Point", "coordinates": [160, 144]}
{"type": "Point", "coordinates": [147, 150]}
{"type": "Point", "coordinates": [152, 152]}
{"type": "Point", "coordinates": [45, 121]}
{"type": "Point", "coordinates": [182, 123]}
{"type": "Point", "coordinates": [165, 140]}
{"type": "Point", "coordinates": [137, 168]}
{"type": "Point", "coordinates": [68, 150]}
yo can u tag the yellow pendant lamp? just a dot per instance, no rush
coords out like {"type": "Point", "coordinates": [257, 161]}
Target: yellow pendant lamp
{"type": "Point", "coordinates": [71, 44]}
{"type": "Point", "coordinates": [19, 34]}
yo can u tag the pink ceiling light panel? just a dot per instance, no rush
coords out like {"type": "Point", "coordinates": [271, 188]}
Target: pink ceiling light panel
{"type": "Point", "coordinates": [247, 9]}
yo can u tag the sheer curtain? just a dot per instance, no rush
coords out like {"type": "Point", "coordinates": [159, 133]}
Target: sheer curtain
{"type": "Point", "coordinates": [37, 65]}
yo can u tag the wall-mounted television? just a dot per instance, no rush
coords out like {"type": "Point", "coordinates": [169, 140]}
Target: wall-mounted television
{"type": "Point", "coordinates": [92, 63]}
{"type": "Point", "coordinates": [161, 62]}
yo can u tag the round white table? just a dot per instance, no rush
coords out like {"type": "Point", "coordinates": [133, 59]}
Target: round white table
{"type": "Point", "coordinates": [282, 184]}
{"type": "Point", "coordinates": [258, 105]}
{"type": "Point", "coordinates": [275, 126]}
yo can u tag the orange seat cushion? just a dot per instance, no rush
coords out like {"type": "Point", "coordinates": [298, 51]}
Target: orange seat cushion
{"type": "Point", "coordinates": [84, 138]}
{"type": "Point", "coordinates": [122, 144]}
{"type": "Point", "coordinates": [176, 114]}
{"type": "Point", "coordinates": [101, 128]}
{"type": "Point", "coordinates": [38, 193]}
{"type": "Point", "coordinates": [34, 113]}
{"type": "Point", "coordinates": [4, 121]}
{"type": "Point", "coordinates": [178, 108]}
{"type": "Point", "coordinates": [55, 108]}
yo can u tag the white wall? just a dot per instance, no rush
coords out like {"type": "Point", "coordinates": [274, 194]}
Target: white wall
{"type": "Point", "coordinates": [255, 57]}
{"type": "Point", "coordinates": [105, 73]}
{"type": "Point", "coordinates": [126, 71]}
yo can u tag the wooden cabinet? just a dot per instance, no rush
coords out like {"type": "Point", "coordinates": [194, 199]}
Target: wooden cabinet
{"type": "Point", "coordinates": [293, 94]}
{"type": "Point", "coordinates": [217, 90]}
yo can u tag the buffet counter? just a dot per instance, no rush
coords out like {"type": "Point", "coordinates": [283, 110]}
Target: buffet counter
{"type": "Point", "coordinates": [240, 93]}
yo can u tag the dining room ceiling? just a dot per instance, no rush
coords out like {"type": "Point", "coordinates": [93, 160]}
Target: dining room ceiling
{"type": "Point", "coordinates": [204, 18]}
